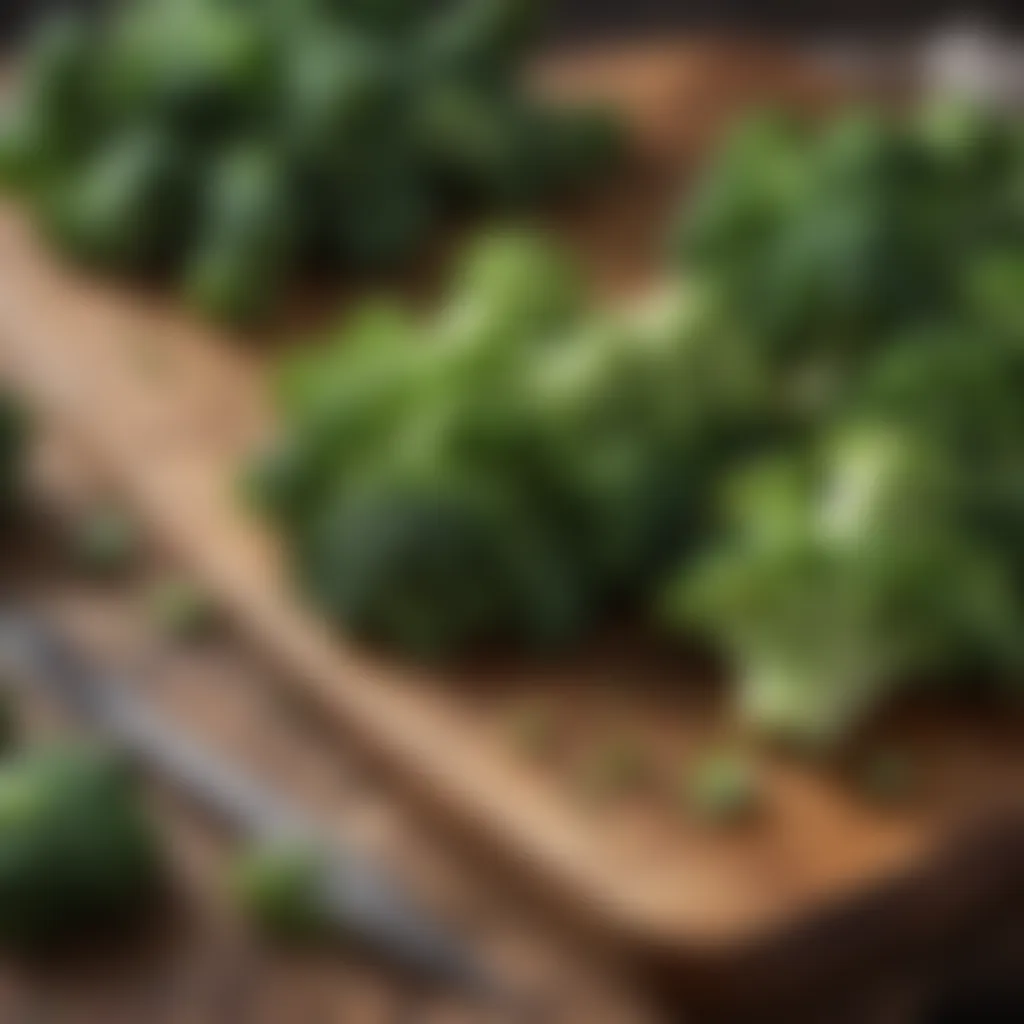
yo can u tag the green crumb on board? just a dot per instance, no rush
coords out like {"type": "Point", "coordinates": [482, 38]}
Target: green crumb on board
{"type": "Point", "coordinates": [182, 610]}
{"type": "Point", "coordinates": [276, 887]}
{"type": "Point", "coordinates": [722, 787]}
{"type": "Point", "coordinates": [104, 542]}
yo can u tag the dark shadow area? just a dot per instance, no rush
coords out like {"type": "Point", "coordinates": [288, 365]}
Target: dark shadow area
{"type": "Point", "coordinates": [578, 20]}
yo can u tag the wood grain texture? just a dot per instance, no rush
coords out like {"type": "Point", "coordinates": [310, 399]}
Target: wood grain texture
{"type": "Point", "coordinates": [172, 409]}
{"type": "Point", "coordinates": [197, 962]}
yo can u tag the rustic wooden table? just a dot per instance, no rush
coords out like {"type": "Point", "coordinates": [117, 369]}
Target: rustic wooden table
{"type": "Point", "coordinates": [201, 966]}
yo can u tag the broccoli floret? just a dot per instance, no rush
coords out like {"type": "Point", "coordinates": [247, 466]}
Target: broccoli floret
{"type": "Point", "coordinates": [722, 788]}
{"type": "Point", "coordinates": [124, 208]}
{"type": "Point", "coordinates": [132, 134]}
{"type": "Point", "coordinates": [182, 610]}
{"type": "Point", "coordinates": [77, 855]}
{"type": "Point", "coordinates": [276, 886]}
{"type": "Point", "coordinates": [833, 586]}
{"type": "Point", "coordinates": [244, 253]}
{"type": "Point", "coordinates": [507, 471]}
{"type": "Point", "coordinates": [434, 565]}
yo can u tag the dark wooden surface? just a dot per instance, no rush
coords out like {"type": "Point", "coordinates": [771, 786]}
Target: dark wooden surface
{"type": "Point", "coordinates": [200, 965]}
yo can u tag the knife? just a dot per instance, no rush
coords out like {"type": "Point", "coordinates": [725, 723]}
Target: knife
{"type": "Point", "coordinates": [363, 902]}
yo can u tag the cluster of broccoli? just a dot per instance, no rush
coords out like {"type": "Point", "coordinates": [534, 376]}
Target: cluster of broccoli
{"type": "Point", "coordinates": [506, 472]}
{"type": "Point", "coordinates": [237, 143]}
{"type": "Point", "coordinates": [878, 266]}
{"type": "Point", "coordinates": [809, 451]}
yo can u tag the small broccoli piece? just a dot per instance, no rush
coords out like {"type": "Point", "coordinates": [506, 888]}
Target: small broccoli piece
{"type": "Point", "coordinates": [199, 67]}
{"type": "Point", "coordinates": [240, 263]}
{"type": "Point", "coordinates": [722, 788]}
{"type": "Point", "coordinates": [337, 88]}
{"type": "Point", "coordinates": [237, 145]}
{"type": "Point", "coordinates": [124, 208]}
{"type": "Point", "coordinates": [277, 888]}
{"type": "Point", "coordinates": [104, 542]}
{"type": "Point", "coordinates": [832, 590]}
{"type": "Point", "coordinates": [436, 565]}
{"type": "Point", "coordinates": [77, 855]}
{"type": "Point", "coordinates": [47, 117]}
{"type": "Point", "coordinates": [181, 610]}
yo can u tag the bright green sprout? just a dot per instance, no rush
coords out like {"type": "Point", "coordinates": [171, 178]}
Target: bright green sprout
{"type": "Point", "coordinates": [722, 788]}
{"type": "Point", "coordinates": [277, 888]}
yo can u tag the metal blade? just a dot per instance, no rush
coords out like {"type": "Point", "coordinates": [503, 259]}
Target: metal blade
{"type": "Point", "coordinates": [367, 905]}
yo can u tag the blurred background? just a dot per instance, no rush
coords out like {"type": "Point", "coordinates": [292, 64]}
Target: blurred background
{"type": "Point", "coordinates": [980, 982]}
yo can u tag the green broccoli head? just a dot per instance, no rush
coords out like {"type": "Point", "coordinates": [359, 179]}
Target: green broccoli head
{"type": "Point", "coordinates": [77, 856]}
{"type": "Point", "coordinates": [244, 253]}
{"type": "Point", "coordinates": [844, 576]}
{"type": "Point", "coordinates": [842, 236]}
{"type": "Point", "coordinates": [480, 40]}
{"type": "Point", "coordinates": [436, 564]}
{"type": "Point", "coordinates": [509, 469]}
{"type": "Point", "coordinates": [49, 114]}
{"type": "Point", "coordinates": [200, 66]}
{"type": "Point", "coordinates": [382, 117]}
{"type": "Point", "coordinates": [276, 887]}
{"type": "Point", "coordinates": [14, 428]}
{"type": "Point", "coordinates": [125, 207]}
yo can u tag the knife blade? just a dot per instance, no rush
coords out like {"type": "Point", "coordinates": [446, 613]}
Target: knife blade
{"type": "Point", "coordinates": [366, 904]}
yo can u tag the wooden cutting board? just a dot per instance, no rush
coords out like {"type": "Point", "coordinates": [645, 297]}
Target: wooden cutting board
{"type": "Point", "coordinates": [171, 409]}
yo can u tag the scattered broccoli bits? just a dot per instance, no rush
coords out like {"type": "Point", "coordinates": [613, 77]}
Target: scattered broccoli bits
{"type": "Point", "coordinates": [78, 857]}
{"type": "Point", "coordinates": [722, 788]}
{"type": "Point", "coordinates": [238, 147]}
{"type": "Point", "coordinates": [504, 473]}
{"type": "Point", "coordinates": [182, 610]}
{"type": "Point", "coordinates": [104, 542]}
{"type": "Point", "coordinates": [802, 453]}
{"type": "Point", "coordinates": [276, 886]}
